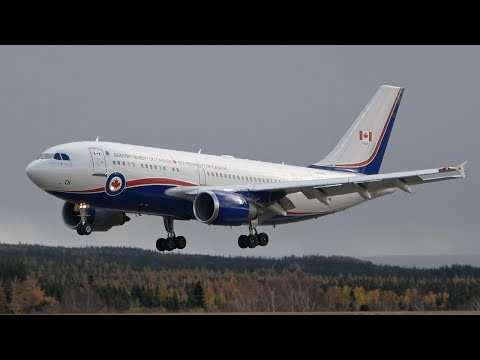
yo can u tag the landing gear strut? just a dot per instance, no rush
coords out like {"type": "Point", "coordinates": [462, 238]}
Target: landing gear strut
{"type": "Point", "coordinates": [172, 242]}
{"type": "Point", "coordinates": [252, 240]}
{"type": "Point", "coordinates": [83, 228]}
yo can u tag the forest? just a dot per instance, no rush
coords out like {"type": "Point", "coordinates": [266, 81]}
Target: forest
{"type": "Point", "coordinates": [43, 279]}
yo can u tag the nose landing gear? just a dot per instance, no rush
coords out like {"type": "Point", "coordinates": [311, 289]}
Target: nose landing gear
{"type": "Point", "coordinates": [83, 228]}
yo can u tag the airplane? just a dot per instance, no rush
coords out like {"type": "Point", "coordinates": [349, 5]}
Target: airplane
{"type": "Point", "coordinates": [101, 182]}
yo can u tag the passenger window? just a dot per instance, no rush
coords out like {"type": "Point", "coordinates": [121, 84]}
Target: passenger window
{"type": "Point", "coordinates": [173, 169]}
{"type": "Point", "coordinates": [123, 163]}
{"type": "Point", "coordinates": [57, 156]}
{"type": "Point", "coordinates": [242, 178]}
{"type": "Point", "coordinates": [151, 166]}
{"type": "Point", "coordinates": [251, 178]}
{"type": "Point", "coordinates": [128, 163]}
{"type": "Point", "coordinates": [65, 157]}
{"type": "Point", "coordinates": [113, 162]}
{"type": "Point", "coordinates": [178, 170]}
{"type": "Point", "coordinates": [155, 167]}
{"type": "Point", "coordinates": [106, 153]}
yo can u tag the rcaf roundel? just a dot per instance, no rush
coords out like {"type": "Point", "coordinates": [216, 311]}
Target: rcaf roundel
{"type": "Point", "coordinates": [115, 184]}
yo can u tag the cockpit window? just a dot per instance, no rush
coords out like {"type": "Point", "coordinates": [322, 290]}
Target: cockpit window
{"type": "Point", "coordinates": [65, 157]}
{"type": "Point", "coordinates": [45, 156]}
{"type": "Point", "coordinates": [57, 156]}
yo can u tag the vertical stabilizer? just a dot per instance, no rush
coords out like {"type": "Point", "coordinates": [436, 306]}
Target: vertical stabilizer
{"type": "Point", "coordinates": [362, 148]}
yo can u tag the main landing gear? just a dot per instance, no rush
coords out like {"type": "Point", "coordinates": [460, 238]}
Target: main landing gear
{"type": "Point", "coordinates": [252, 240]}
{"type": "Point", "coordinates": [83, 228]}
{"type": "Point", "coordinates": [172, 242]}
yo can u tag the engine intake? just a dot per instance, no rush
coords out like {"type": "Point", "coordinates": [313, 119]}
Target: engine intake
{"type": "Point", "coordinates": [223, 208]}
{"type": "Point", "coordinates": [100, 219]}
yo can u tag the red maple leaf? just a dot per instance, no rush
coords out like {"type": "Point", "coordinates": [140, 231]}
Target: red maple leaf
{"type": "Point", "coordinates": [115, 184]}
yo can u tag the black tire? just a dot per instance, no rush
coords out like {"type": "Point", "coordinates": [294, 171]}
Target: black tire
{"type": "Point", "coordinates": [262, 239]}
{"type": "Point", "coordinates": [87, 229]}
{"type": "Point", "coordinates": [170, 244]}
{"type": "Point", "coordinates": [242, 241]}
{"type": "Point", "coordinates": [180, 242]}
{"type": "Point", "coordinates": [252, 241]}
{"type": "Point", "coordinates": [160, 244]}
{"type": "Point", "coordinates": [80, 230]}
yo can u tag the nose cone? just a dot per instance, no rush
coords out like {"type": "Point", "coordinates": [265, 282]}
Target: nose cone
{"type": "Point", "coordinates": [34, 172]}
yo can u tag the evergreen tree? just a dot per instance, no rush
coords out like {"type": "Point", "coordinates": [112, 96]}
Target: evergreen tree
{"type": "Point", "coordinates": [199, 294]}
{"type": "Point", "coordinates": [3, 301]}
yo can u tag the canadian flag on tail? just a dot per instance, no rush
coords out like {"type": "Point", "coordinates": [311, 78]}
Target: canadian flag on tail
{"type": "Point", "coordinates": [365, 135]}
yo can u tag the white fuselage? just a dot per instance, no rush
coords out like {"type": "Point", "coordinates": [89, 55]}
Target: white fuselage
{"type": "Point", "coordinates": [148, 172]}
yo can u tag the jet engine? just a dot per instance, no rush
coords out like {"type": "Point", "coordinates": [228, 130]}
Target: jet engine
{"type": "Point", "coordinates": [223, 208]}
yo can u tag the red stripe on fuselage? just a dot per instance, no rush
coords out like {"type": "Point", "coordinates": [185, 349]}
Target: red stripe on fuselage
{"type": "Point", "coordinates": [369, 160]}
{"type": "Point", "coordinates": [302, 213]}
{"type": "Point", "coordinates": [153, 181]}
{"type": "Point", "coordinates": [88, 191]}
{"type": "Point", "coordinates": [140, 182]}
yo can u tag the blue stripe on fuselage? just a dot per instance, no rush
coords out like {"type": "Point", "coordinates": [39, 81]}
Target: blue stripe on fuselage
{"type": "Point", "coordinates": [130, 200]}
{"type": "Point", "coordinates": [135, 199]}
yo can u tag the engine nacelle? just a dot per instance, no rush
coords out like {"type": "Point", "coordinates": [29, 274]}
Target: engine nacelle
{"type": "Point", "coordinates": [223, 208]}
{"type": "Point", "coordinates": [100, 219]}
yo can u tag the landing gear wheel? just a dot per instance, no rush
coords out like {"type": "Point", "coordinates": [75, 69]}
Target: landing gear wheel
{"type": "Point", "coordinates": [80, 230]}
{"type": "Point", "coordinates": [180, 242]}
{"type": "Point", "coordinates": [252, 241]}
{"type": "Point", "coordinates": [87, 229]}
{"type": "Point", "coordinates": [160, 244]}
{"type": "Point", "coordinates": [262, 239]}
{"type": "Point", "coordinates": [242, 241]}
{"type": "Point", "coordinates": [170, 244]}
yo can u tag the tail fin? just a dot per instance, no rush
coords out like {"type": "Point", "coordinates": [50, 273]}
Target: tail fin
{"type": "Point", "coordinates": [363, 146]}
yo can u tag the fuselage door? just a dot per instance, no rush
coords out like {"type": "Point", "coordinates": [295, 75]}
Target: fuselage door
{"type": "Point", "coordinates": [99, 164]}
{"type": "Point", "coordinates": [201, 176]}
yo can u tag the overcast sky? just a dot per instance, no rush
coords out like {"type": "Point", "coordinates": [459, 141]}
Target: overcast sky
{"type": "Point", "coordinates": [271, 103]}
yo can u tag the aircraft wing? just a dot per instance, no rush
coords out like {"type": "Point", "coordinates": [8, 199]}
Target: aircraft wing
{"type": "Point", "coordinates": [367, 186]}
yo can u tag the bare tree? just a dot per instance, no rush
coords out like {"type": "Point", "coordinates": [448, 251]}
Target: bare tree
{"type": "Point", "coordinates": [475, 303]}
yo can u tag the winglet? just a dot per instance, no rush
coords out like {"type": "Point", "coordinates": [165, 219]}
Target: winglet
{"type": "Point", "coordinates": [461, 168]}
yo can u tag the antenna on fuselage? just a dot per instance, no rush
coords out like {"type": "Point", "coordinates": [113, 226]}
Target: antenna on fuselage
{"type": "Point", "coordinates": [96, 140]}
{"type": "Point", "coordinates": [200, 151]}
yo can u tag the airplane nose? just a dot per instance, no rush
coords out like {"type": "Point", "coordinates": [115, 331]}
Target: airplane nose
{"type": "Point", "coordinates": [33, 172]}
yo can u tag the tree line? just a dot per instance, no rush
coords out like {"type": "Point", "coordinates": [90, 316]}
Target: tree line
{"type": "Point", "coordinates": [42, 279]}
